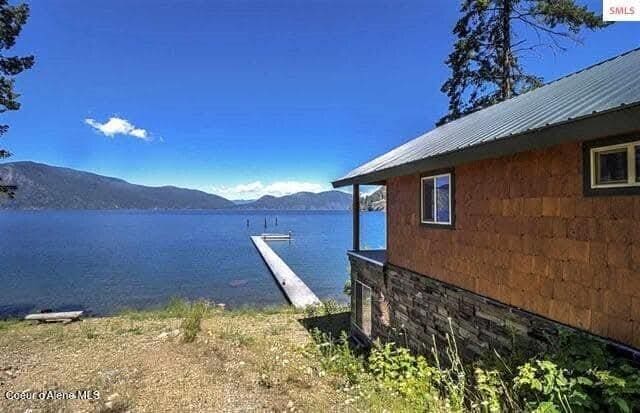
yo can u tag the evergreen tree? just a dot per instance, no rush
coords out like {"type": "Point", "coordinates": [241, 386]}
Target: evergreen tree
{"type": "Point", "coordinates": [492, 36]}
{"type": "Point", "coordinates": [12, 18]}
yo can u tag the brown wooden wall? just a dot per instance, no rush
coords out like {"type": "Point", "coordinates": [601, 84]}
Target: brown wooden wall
{"type": "Point", "coordinates": [526, 236]}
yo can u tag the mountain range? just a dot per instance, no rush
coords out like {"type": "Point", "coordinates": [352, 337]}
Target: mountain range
{"type": "Point", "coordinates": [43, 186]}
{"type": "Point", "coordinates": [375, 201]}
{"type": "Point", "coordinates": [328, 200]}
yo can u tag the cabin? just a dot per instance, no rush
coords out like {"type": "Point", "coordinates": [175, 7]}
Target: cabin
{"type": "Point", "coordinates": [512, 223]}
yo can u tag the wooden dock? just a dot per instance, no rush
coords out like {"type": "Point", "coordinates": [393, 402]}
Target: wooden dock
{"type": "Point", "coordinates": [296, 291]}
{"type": "Point", "coordinates": [276, 237]}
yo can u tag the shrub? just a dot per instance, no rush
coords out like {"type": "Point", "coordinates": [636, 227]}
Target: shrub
{"type": "Point", "coordinates": [491, 394]}
{"type": "Point", "coordinates": [88, 330]}
{"type": "Point", "coordinates": [338, 357]}
{"type": "Point", "coordinates": [327, 307]}
{"type": "Point", "coordinates": [397, 371]}
{"type": "Point", "coordinates": [177, 307]}
{"type": "Point", "coordinates": [193, 315]}
{"type": "Point", "coordinates": [577, 374]}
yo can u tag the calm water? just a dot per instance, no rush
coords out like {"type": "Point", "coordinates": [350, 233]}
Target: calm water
{"type": "Point", "coordinates": [105, 261]}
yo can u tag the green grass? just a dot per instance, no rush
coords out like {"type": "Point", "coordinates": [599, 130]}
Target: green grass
{"type": "Point", "coordinates": [9, 323]}
{"type": "Point", "coordinates": [248, 311]}
{"type": "Point", "coordinates": [88, 330]}
{"type": "Point", "coordinates": [176, 308]}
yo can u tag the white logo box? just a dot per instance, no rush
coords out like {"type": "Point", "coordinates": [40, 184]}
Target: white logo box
{"type": "Point", "coordinates": [621, 10]}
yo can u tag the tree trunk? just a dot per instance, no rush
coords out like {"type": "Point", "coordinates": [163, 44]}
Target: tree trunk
{"type": "Point", "coordinates": [506, 86]}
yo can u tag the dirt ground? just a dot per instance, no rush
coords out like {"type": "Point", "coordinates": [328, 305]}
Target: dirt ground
{"type": "Point", "coordinates": [240, 361]}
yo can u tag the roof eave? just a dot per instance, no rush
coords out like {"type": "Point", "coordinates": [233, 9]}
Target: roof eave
{"type": "Point", "coordinates": [617, 121]}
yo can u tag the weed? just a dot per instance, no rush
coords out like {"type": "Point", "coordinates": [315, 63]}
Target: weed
{"type": "Point", "coordinates": [328, 307]}
{"type": "Point", "coordinates": [265, 380]}
{"type": "Point", "coordinates": [177, 307]}
{"type": "Point", "coordinates": [88, 330]}
{"type": "Point", "coordinates": [577, 374]}
{"type": "Point", "coordinates": [235, 336]}
{"type": "Point", "coordinates": [192, 318]}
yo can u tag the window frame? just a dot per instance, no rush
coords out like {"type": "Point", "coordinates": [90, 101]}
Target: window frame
{"type": "Point", "coordinates": [434, 175]}
{"type": "Point", "coordinates": [358, 300]}
{"type": "Point", "coordinates": [590, 172]}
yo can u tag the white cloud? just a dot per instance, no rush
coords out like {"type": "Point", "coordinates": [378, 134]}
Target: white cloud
{"type": "Point", "coordinates": [257, 189]}
{"type": "Point", "coordinates": [118, 126]}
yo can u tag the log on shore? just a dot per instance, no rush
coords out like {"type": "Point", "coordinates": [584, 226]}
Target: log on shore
{"type": "Point", "coordinates": [49, 317]}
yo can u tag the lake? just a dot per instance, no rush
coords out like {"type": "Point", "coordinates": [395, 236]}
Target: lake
{"type": "Point", "coordinates": [106, 261]}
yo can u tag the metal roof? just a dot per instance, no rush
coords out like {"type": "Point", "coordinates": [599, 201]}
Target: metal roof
{"type": "Point", "coordinates": [569, 102]}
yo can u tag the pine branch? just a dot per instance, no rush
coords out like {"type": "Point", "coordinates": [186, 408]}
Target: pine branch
{"type": "Point", "coordinates": [485, 61]}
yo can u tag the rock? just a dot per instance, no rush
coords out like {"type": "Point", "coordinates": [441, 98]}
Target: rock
{"type": "Point", "coordinates": [108, 405]}
{"type": "Point", "coordinates": [109, 375]}
{"type": "Point", "coordinates": [175, 333]}
{"type": "Point", "coordinates": [113, 397]}
{"type": "Point", "coordinates": [164, 335]}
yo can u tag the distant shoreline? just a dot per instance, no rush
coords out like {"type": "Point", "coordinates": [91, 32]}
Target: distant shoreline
{"type": "Point", "coordinates": [240, 210]}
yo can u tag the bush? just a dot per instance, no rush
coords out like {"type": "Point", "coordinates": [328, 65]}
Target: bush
{"type": "Point", "coordinates": [177, 307]}
{"type": "Point", "coordinates": [578, 374]}
{"type": "Point", "coordinates": [192, 317]}
{"type": "Point", "coordinates": [397, 371]}
{"type": "Point", "coordinates": [338, 357]}
{"type": "Point", "coordinates": [326, 307]}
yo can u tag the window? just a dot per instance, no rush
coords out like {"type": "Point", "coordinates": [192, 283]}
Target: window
{"type": "Point", "coordinates": [363, 311]}
{"type": "Point", "coordinates": [615, 166]}
{"type": "Point", "coordinates": [435, 199]}
{"type": "Point", "coordinates": [636, 148]}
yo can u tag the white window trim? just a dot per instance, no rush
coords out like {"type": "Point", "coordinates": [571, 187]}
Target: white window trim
{"type": "Point", "coordinates": [435, 198]}
{"type": "Point", "coordinates": [631, 165]}
{"type": "Point", "coordinates": [355, 321]}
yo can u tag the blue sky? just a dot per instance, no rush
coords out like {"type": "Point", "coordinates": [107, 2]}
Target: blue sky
{"type": "Point", "coordinates": [242, 97]}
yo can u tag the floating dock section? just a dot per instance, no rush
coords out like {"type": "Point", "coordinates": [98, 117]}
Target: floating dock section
{"type": "Point", "coordinates": [276, 237]}
{"type": "Point", "coordinates": [296, 291]}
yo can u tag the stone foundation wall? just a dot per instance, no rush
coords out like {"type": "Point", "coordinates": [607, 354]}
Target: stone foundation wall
{"type": "Point", "coordinates": [412, 309]}
{"type": "Point", "coordinates": [373, 276]}
{"type": "Point", "coordinates": [423, 308]}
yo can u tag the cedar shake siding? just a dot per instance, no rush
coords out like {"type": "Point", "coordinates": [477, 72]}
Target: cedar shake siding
{"type": "Point", "coordinates": [525, 235]}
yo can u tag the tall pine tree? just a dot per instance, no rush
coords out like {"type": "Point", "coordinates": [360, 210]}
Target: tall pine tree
{"type": "Point", "coordinates": [492, 36]}
{"type": "Point", "coordinates": [12, 18]}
